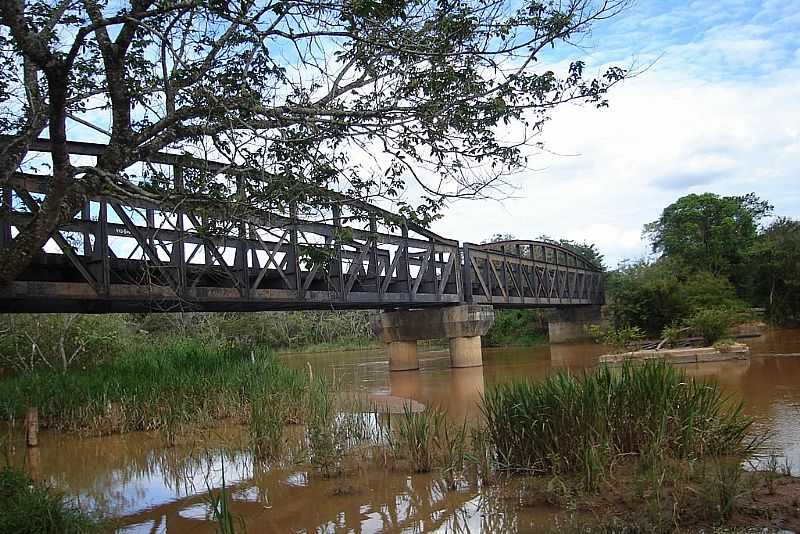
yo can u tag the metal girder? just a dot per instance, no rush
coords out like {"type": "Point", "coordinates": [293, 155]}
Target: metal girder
{"type": "Point", "coordinates": [274, 263]}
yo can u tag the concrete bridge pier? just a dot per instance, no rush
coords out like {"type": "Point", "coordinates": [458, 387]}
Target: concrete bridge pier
{"type": "Point", "coordinates": [463, 325]}
{"type": "Point", "coordinates": [570, 324]}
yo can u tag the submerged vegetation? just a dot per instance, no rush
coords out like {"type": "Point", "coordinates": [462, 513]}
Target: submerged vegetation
{"type": "Point", "coordinates": [32, 508]}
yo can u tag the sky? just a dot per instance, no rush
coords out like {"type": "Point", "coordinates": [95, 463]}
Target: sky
{"type": "Point", "coordinates": [716, 109]}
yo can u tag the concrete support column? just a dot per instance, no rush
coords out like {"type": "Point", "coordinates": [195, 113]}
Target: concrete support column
{"type": "Point", "coordinates": [570, 324]}
{"type": "Point", "coordinates": [403, 356]}
{"type": "Point", "coordinates": [463, 325]}
{"type": "Point", "coordinates": [466, 351]}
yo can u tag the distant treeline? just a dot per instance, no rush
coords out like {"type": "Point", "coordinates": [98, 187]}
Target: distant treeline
{"type": "Point", "coordinates": [716, 261]}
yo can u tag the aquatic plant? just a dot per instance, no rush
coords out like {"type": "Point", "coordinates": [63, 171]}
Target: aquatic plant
{"type": "Point", "coordinates": [220, 504]}
{"type": "Point", "coordinates": [32, 508]}
{"type": "Point", "coordinates": [167, 387]}
{"type": "Point", "coordinates": [427, 440]}
{"type": "Point", "coordinates": [326, 446]}
{"type": "Point", "coordinates": [578, 424]}
{"type": "Point", "coordinates": [416, 433]}
{"type": "Point", "coordinates": [268, 415]}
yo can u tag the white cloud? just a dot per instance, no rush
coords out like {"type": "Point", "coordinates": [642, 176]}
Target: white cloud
{"type": "Point", "coordinates": [718, 112]}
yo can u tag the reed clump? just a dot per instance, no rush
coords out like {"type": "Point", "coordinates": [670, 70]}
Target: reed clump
{"type": "Point", "coordinates": [569, 424]}
{"type": "Point", "coordinates": [168, 387]}
{"type": "Point", "coordinates": [28, 508]}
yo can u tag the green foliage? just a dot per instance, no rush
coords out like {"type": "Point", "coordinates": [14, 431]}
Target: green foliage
{"type": "Point", "coordinates": [59, 341]}
{"type": "Point", "coordinates": [516, 328]}
{"type": "Point", "coordinates": [417, 435]}
{"type": "Point", "coordinates": [220, 504]}
{"type": "Point", "coordinates": [166, 386]}
{"type": "Point", "coordinates": [709, 232]}
{"type": "Point", "coordinates": [566, 424]}
{"type": "Point", "coordinates": [617, 337]}
{"type": "Point", "coordinates": [653, 296]}
{"type": "Point", "coordinates": [296, 330]}
{"type": "Point", "coordinates": [27, 507]}
{"type": "Point", "coordinates": [711, 324]}
{"type": "Point", "coordinates": [269, 413]}
{"type": "Point", "coordinates": [723, 488]}
{"type": "Point", "coordinates": [427, 440]}
{"type": "Point", "coordinates": [775, 260]}
{"type": "Point", "coordinates": [671, 334]}
{"type": "Point", "coordinates": [325, 437]}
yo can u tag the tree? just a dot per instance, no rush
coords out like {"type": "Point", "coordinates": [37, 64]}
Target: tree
{"type": "Point", "coordinates": [775, 261]}
{"type": "Point", "coordinates": [293, 95]}
{"type": "Point", "coordinates": [652, 296]}
{"type": "Point", "coordinates": [709, 232]}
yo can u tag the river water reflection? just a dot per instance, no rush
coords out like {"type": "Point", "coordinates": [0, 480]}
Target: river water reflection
{"type": "Point", "coordinates": [155, 489]}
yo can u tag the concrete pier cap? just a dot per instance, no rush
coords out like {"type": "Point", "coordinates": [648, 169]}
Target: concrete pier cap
{"type": "Point", "coordinates": [463, 325]}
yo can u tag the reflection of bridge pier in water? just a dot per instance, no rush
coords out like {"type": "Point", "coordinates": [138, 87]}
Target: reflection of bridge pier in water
{"type": "Point", "coordinates": [457, 390]}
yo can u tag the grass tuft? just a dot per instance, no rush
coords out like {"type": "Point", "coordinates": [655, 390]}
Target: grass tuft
{"type": "Point", "coordinates": [30, 508]}
{"type": "Point", "coordinates": [567, 424]}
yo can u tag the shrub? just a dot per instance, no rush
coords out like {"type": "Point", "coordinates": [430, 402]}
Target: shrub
{"type": "Point", "coordinates": [653, 296]}
{"type": "Point", "coordinates": [59, 341]}
{"type": "Point", "coordinates": [617, 337]}
{"type": "Point", "coordinates": [711, 324]}
{"type": "Point", "coordinates": [568, 424]}
{"type": "Point", "coordinates": [30, 508]}
{"type": "Point", "coordinates": [517, 328]}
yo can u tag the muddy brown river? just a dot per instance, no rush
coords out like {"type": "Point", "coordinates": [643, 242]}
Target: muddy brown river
{"type": "Point", "coordinates": [150, 488]}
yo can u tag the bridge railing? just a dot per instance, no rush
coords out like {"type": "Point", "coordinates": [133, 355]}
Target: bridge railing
{"type": "Point", "coordinates": [142, 255]}
{"type": "Point", "coordinates": [521, 273]}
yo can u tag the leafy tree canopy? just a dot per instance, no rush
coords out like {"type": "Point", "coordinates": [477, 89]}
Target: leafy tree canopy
{"type": "Point", "coordinates": [365, 96]}
{"type": "Point", "coordinates": [652, 296]}
{"type": "Point", "coordinates": [708, 231]}
{"type": "Point", "coordinates": [775, 260]}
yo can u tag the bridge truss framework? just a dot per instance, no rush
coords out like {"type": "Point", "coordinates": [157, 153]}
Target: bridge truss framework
{"type": "Point", "coordinates": [141, 256]}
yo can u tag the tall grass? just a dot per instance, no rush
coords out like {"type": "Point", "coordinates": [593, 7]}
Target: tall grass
{"type": "Point", "coordinates": [579, 425]}
{"type": "Point", "coordinates": [30, 508]}
{"type": "Point", "coordinates": [219, 503]}
{"type": "Point", "coordinates": [416, 436]}
{"type": "Point", "coordinates": [153, 387]}
{"type": "Point", "coordinates": [326, 445]}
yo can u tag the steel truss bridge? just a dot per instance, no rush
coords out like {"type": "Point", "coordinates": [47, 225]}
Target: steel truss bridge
{"type": "Point", "coordinates": [141, 256]}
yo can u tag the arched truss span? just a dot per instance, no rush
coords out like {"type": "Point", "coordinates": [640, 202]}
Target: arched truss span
{"type": "Point", "coordinates": [141, 255]}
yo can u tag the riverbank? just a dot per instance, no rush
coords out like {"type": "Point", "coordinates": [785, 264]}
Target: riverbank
{"type": "Point", "coordinates": [139, 476]}
{"type": "Point", "coordinates": [180, 384]}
